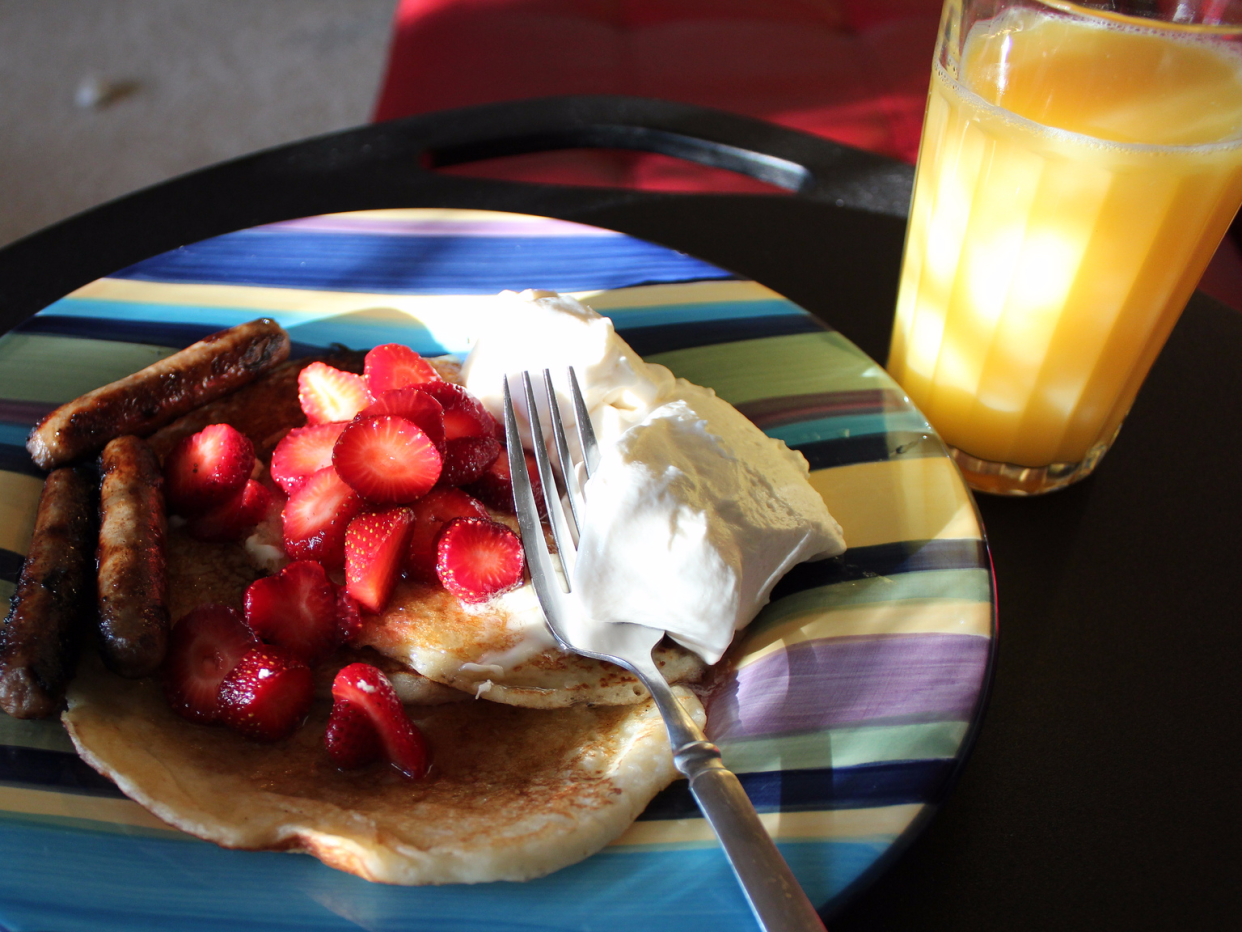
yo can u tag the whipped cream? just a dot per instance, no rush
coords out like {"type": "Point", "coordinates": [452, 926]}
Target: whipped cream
{"type": "Point", "coordinates": [694, 513]}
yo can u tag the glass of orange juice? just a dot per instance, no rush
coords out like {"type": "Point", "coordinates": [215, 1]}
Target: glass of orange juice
{"type": "Point", "coordinates": [1080, 163]}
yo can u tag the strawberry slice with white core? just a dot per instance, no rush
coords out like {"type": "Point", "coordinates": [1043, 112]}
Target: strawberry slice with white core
{"type": "Point", "coordinates": [364, 687]}
{"type": "Point", "coordinates": [414, 405]}
{"type": "Point", "coordinates": [467, 458]}
{"type": "Point", "coordinates": [303, 451]}
{"type": "Point", "coordinates": [328, 394]}
{"type": "Point", "coordinates": [235, 518]}
{"type": "Point", "coordinates": [387, 459]}
{"type": "Point", "coordinates": [203, 646]}
{"type": "Point", "coordinates": [394, 366]}
{"type": "Point", "coordinates": [477, 558]}
{"type": "Point", "coordinates": [464, 415]}
{"type": "Point", "coordinates": [375, 547]}
{"type": "Point", "coordinates": [295, 609]}
{"type": "Point", "coordinates": [350, 738]}
{"type": "Point", "coordinates": [316, 517]}
{"type": "Point", "coordinates": [207, 469]}
{"type": "Point", "coordinates": [431, 513]}
{"type": "Point", "coordinates": [267, 695]}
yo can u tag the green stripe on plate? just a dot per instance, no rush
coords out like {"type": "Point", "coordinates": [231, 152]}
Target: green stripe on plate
{"type": "Point", "coordinates": [973, 585]}
{"type": "Point", "coordinates": [53, 369]}
{"type": "Point", "coordinates": [45, 736]}
{"type": "Point", "coordinates": [844, 747]}
{"type": "Point", "coordinates": [800, 364]}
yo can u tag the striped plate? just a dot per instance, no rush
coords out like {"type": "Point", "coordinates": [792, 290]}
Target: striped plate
{"type": "Point", "coordinates": [852, 706]}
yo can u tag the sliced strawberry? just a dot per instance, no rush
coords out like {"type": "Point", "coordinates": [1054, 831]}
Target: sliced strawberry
{"type": "Point", "coordinates": [375, 547]}
{"type": "Point", "coordinates": [351, 739]}
{"type": "Point", "coordinates": [494, 487]}
{"type": "Point", "coordinates": [206, 469]}
{"type": "Point", "coordinates": [477, 558]}
{"type": "Point", "coordinates": [267, 694]}
{"type": "Point", "coordinates": [467, 458]}
{"type": "Point", "coordinates": [367, 689]}
{"type": "Point", "coordinates": [414, 405]}
{"type": "Point", "coordinates": [203, 646]}
{"type": "Point", "coordinates": [394, 366]}
{"type": "Point", "coordinates": [296, 610]}
{"type": "Point", "coordinates": [387, 459]}
{"type": "Point", "coordinates": [235, 518]}
{"type": "Point", "coordinates": [316, 517]}
{"type": "Point", "coordinates": [328, 394]}
{"type": "Point", "coordinates": [303, 451]}
{"type": "Point", "coordinates": [464, 415]}
{"type": "Point", "coordinates": [348, 616]}
{"type": "Point", "coordinates": [431, 513]}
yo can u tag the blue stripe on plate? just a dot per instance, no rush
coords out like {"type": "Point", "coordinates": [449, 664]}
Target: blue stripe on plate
{"type": "Point", "coordinates": [420, 264]}
{"type": "Point", "coordinates": [860, 787]}
{"type": "Point", "coordinates": [13, 454]}
{"type": "Point", "coordinates": [659, 314]}
{"type": "Point", "coordinates": [669, 337]}
{"type": "Point", "coordinates": [863, 787]}
{"type": "Point", "coordinates": [315, 336]}
{"type": "Point", "coordinates": [848, 425]}
{"type": "Point", "coordinates": [910, 556]}
{"type": "Point", "coordinates": [868, 448]}
{"type": "Point", "coordinates": [143, 883]}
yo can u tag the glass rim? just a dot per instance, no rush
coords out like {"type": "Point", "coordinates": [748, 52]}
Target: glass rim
{"type": "Point", "coordinates": [1142, 22]}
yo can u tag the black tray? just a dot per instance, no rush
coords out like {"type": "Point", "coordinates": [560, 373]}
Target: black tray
{"type": "Point", "coordinates": [1103, 791]}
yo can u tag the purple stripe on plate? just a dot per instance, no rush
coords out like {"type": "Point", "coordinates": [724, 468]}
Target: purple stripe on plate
{"type": "Point", "coordinates": [24, 412]}
{"type": "Point", "coordinates": [834, 682]}
{"type": "Point", "coordinates": [519, 228]}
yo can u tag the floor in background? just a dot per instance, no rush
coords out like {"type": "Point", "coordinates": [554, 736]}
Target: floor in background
{"type": "Point", "coordinates": [197, 82]}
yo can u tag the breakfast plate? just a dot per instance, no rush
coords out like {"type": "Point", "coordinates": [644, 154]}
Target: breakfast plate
{"type": "Point", "coordinates": [854, 696]}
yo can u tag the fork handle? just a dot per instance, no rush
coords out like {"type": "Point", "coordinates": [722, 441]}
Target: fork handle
{"type": "Point", "coordinates": [773, 892]}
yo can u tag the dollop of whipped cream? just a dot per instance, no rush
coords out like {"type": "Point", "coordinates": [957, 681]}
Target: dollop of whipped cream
{"type": "Point", "coordinates": [694, 513]}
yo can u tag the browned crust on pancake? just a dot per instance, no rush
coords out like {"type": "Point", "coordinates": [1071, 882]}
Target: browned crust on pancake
{"type": "Point", "coordinates": [512, 793]}
{"type": "Point", "coordinates": [423, 620]}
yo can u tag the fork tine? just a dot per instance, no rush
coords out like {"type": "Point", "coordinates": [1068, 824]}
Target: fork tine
{"type": "Point", "coordinates": [563, 460]}
{"type": "Point", "coordinates": [586, 431]}
{"type": "Point", "coordinates": [538, 559]}
{"type": "Point", "coordinates": [566, 550]}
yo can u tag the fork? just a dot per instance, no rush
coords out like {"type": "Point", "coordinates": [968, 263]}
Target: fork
{"type": "Point", "coordinates": [778, 902]}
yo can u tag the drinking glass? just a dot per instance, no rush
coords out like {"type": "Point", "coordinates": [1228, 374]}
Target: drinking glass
{"type": "Point", "coordinates": [1079, 165]}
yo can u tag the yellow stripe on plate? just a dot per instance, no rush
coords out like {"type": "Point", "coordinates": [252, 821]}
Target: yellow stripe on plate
{"type": "Point", "coordinates": [915, 498]}
{"type": "Point", "coordinates": [19, 501]}
{"type": "Point", "coordinates": [116, 812]}
{"type": "Point", "coordinates": [828, 824]}
{"type": "Point", "coordinates": [688, 293]}
{"type": "Point", "coordinates": [914, 617]}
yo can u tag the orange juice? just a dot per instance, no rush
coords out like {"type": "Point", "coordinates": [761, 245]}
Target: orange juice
{"type": "Point", "coordinates": [1074, 180]}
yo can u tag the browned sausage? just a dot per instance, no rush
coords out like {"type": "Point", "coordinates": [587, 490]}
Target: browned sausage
{"type": "Point", "coordinates": [131, 559]}
{"type": "Point", "coordinates": [39, 639]}
{"type": "Point", "coordinates": [163, 391]}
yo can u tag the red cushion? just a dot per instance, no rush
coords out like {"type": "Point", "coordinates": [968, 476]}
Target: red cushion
{"type": "Point", "coordinates": [855, 71]}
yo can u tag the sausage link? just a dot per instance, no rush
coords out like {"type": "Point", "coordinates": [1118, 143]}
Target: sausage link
{"type": "Point", "coordinates": [40, 637]}
{"type": "Point", "coordinates": [131, 558]}
{"type": "Point", "coordinates": [160, 393]}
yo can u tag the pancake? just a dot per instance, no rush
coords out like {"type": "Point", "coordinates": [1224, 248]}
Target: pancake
{"type": "Point", "coordinates": [499, 650]}
{"type": "Point", "coordinates": [502, 650]}
{"type": "Point", "coordinates": [512, 793]}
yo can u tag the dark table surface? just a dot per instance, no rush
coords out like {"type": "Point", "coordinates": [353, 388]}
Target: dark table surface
{"type": "Point", "coordinates": [1103, 790]}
